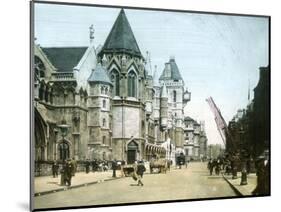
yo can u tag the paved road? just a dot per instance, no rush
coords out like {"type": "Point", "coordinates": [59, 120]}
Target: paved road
{"type": "Point", "coordinates": [187, 183]}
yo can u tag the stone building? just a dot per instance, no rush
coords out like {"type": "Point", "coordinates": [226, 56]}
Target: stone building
{"type": "Point", "coordinates": [249, 128]}
{"type": "Point", "coordinates": [106, 102]}
{"type": "Point", "coordinates": [195, 145]}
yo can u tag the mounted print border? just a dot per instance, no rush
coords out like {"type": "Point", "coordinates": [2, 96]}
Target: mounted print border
{"type": "Point", "coordinates": [137, 105]}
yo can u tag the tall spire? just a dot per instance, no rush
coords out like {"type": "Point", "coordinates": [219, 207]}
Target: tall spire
{"type": "Point", "coordinates": [155, 77]}
{"type": "Point", "coordinates": [148, 64]}
{"type": "Point", "coordinates": [121, 37]}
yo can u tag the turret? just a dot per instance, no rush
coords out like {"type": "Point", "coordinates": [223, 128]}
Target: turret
{"type": "Point", "coordinates": [164, 107]}
{"type": "Point", "coordinates": [99, 104]}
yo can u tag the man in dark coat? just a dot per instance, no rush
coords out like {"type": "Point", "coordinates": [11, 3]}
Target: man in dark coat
{"type": "Point", "coordinates": [55, 168]}
{"type": "Point", "coordinates": [68, 172]}
{"type": "Point", "coordinates": [211, 166]}
{"type": "Point", "coordinates": [114, 167]}
{"type": "Point", "coordinates": [263, 177]}
{"type": "Point", "coordinates": [87, 165]}
{"type": "Point", "coordinates": [140, 170]}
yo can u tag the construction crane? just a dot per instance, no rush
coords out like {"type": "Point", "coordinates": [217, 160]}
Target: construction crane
{"type": "Point", "coordinates": [221, 124]}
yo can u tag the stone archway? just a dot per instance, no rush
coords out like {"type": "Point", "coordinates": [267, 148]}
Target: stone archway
{"type": "Point", "coordinates": [64, 150]}
{"type": "Point", "coordinates": [132, 149]}
{"type": "Point", "coordinates": [40, 138]}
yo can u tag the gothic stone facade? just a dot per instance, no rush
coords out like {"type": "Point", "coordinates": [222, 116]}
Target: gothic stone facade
{"type": "Point", "coordinates": [108, 99]}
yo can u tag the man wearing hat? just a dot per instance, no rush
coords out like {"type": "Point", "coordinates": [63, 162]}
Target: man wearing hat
{"type": "Point", "coordinates": [262, 166]}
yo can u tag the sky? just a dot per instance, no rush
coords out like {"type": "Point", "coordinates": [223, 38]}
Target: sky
{"type": "Point", "coordinates": [217, 55]}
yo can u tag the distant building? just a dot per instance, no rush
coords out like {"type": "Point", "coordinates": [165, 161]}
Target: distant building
{"type": "Point", "coordinates": [215, 151]}
{"type": "Point", "coordinates": [249, 128]}
{"type": "Point", "coordinates": [261, 113]}
{"type": "Point", "coordinates": [195, 145]}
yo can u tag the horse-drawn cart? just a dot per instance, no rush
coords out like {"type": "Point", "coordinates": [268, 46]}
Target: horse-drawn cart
{"type": "Point", "coordinates": [128, 169]}
{"type": "Point", "coordinates": [161, 164]}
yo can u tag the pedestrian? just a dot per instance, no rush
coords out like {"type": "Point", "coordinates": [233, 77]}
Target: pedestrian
{"type": "Point", "coordinates": [73, 167]}
{"type": "Point", "coordinates": [262, 167]}
{"type": "Point", "coordinates": [93, 163]}
{"type": "Point", "coordinates": [217, 167]}
{"type": "Point", "coordinates": [211, 166]}
{"type": "Point", "coordinates": [140, 169]}
{"type": "Point", "coordinates": [87, 166]}
{"type": "Point", "coordinates": [68, 172]}
{"type": "Point", "coordinates": [114, 167]}
{"type": "Point", "coordinates": [55, 168]}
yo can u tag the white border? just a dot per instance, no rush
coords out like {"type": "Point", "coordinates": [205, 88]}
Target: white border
{"type": "Point", "coordinates": [15, 102]}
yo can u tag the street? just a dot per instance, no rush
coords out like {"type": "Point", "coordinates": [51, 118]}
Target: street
{"type": "Point", "coordinates": [192, 182]}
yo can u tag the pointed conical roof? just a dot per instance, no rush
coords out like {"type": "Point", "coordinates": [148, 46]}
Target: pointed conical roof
{"type": "Point", "coordinates": [121, 37]}
{"type": "Point", "coordinates": [164, 93]}
{"type": "Point", "coordinates": [99, 75]}
{"type": "Point", "coordinates": [175, 73]}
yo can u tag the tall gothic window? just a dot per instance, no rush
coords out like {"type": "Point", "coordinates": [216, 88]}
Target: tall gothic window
{"type": "Point", "coordinates": [103, 122]}
{"type": "Point", "coordinates": [132, 84]}
{"type": "Point", "coordinates": [103, 140]}
{"type": "Point", "coordinates": [174, 96]}
{"type": "Point", "coordinates": [115, 81]}
{"type": "Point", "coordinates": [104, 103]}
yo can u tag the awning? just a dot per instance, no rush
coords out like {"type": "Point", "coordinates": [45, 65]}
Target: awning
{"type": "Point", "coordinates": [153, 148]}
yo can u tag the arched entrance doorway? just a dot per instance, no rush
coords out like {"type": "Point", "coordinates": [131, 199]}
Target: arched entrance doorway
{"type": "Point", "coordinates": [132, 152]}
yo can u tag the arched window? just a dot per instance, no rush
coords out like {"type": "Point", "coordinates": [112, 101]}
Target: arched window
{"type": "Point", "coordinates": [51, 96]}
{"type": "Point", "coordinates": [102, 90]}
{"type": "Point", "coordinates": [174, 96]}
{"type": "Point", "coordinates": [64, 150]}
{"type": "Point", "coordinates": [103, 122]}
{"type": "Point", "coordinates": [115, 81]}
{"type": "Point", "coordinates": [103, 140]}
{"type": "Point", "coordinates": [104, 103]}
{"type": "Point", "coordinates": [132, 84]}
{"type": "Point", "coordinates": [47, 94]}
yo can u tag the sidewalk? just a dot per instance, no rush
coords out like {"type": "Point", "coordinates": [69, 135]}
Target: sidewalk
{"type": "Point", "coordinates": [243, 190]}
{"type": "Point", "coordinates": [48, 184]}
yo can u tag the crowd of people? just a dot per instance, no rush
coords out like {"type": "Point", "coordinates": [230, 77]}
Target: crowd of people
{"type": "Point", "coordinates": [232, 164]}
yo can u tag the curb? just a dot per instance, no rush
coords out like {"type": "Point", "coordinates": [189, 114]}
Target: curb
{"type": "Point", "coordinates": [75, 186]}
{"type": "Point", "coordinates": [232, 186]}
